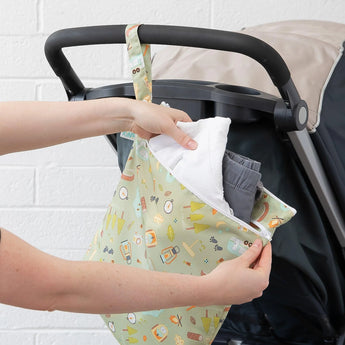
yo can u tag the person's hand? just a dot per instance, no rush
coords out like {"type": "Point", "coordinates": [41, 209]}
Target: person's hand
{"type": "Point", "coordinates": [242, 279]}
{"type": "Point", "coordinates": [151, 119]}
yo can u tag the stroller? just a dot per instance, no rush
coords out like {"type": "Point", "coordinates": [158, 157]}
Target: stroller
{"type": "Point", "coordinates": [305, 301]}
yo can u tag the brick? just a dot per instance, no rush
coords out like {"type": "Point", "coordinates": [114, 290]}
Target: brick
{"type": "Point", "coordinates": [76, 186]}
{"type": "Point", "coordinates": [51, 91]}
{"type": "Point", "coordinates": [58, 14]}
{"type": "Point", "coordinates": [233, 15]}
{"type": "Point", "coordinates": [14, 90]}
{"type": "Point", "coordinates": [19, 320]}
{"type": "Point", "coordinates": [18, 17]}
{"type": "Point", "coordinates": [54, 228]}
{"type": "Point", "coordinates": [85, 338]}
{"type": "Point", "coordinates": [11, 338]}
{"type": "Point", "coordinates": [23, 57]}
{"type": "Point", "coordinates": [54, 91]}
{"type": "Point", "coordinates": [97, 61]}
{"type": "Point", "coordinates": [86, 152]}
{"type": "Point", "coordinates": [17, 186]}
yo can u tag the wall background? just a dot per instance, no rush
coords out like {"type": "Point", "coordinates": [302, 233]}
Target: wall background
{"type": "Point", "coordinates": [55, 198]}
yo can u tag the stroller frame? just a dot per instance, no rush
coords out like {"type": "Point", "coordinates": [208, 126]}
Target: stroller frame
{"type": "Point", "coordinates": [289, 112]}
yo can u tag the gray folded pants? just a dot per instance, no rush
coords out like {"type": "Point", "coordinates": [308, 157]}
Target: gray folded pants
{"type": "Point", "coordinates": [242, 183]}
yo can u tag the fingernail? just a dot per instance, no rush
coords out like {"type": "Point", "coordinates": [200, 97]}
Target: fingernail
{"type": "Point", "coordinates": [257, 243]}
{"type": "Point", "coordinates": [192, 144]}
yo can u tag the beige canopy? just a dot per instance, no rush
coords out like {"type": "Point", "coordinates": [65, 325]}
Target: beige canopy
{"type": "Point", "coordinates": [310, 49]}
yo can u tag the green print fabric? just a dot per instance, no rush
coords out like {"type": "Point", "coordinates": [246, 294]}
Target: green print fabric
{"type": "Point", "coordinates": [154, 222]}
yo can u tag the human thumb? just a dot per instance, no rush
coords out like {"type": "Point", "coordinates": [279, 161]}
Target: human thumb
{"type": "Point", "coordinates": [250, 255]}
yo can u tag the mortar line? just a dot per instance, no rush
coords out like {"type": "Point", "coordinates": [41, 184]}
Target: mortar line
{"type": "Point", "coordinates": [35, 187]}
{"type": "Point", "coordinates": [211, 14]}
{"type": "Point", "coordinates": [39, 14]}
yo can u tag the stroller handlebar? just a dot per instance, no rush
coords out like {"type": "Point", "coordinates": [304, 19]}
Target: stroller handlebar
{"type": "Point", "coordinates": [260, 51]}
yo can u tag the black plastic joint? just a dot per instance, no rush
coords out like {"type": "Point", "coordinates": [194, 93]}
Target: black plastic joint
{"type": "Point", "coordinates": [289, 120]}
{"type": "Point", "coordinates": [292, 113]}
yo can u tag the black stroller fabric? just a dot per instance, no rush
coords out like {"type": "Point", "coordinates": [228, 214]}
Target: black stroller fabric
{"type": "Point", "coordinates": [329, 138]}
{"type": "Point", "coordinates": [304, 303]}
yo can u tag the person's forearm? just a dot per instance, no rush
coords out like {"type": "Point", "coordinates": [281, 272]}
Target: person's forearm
{"type": "Point", "coordinates": [122, 289]}
{"type": "Point", "coordinates": [31, 125]}
{"type": "Point", "coordinates": [33, 279]}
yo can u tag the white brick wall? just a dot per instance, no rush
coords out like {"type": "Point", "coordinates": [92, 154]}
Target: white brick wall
{"type": "Point", "coordinates": [55, 198]}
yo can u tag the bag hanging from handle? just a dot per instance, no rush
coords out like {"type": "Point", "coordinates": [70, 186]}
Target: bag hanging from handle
{"type": "Point", "coordinates": [156, 222]}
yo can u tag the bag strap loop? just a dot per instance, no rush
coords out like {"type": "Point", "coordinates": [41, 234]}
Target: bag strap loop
{"type": "Point", "coordinates": [140, 64]}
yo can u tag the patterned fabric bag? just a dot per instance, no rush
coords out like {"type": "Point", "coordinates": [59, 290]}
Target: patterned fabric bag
{"type": "Point", "coordinates": [157, 222]}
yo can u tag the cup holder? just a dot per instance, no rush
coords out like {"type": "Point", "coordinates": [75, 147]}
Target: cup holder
{"type": "Point", "coordinates": [237, 89]}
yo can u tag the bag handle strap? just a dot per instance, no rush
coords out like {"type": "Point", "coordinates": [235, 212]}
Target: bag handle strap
{"type": "Point", "coordinates": [140, 64]}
